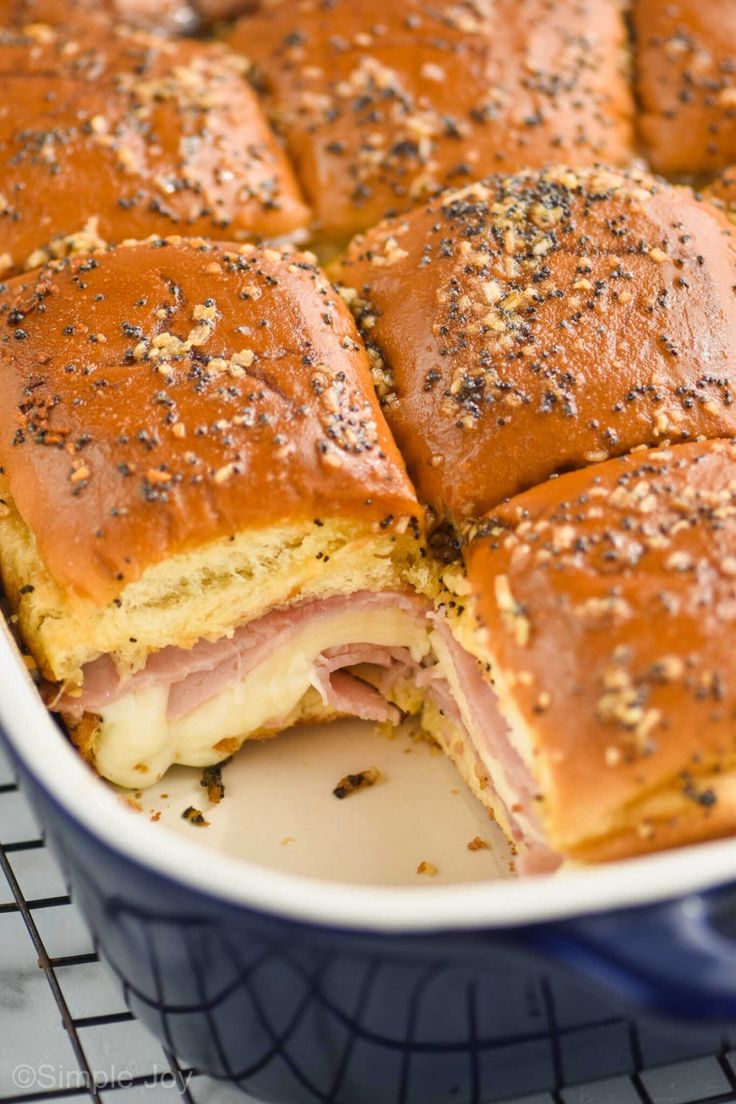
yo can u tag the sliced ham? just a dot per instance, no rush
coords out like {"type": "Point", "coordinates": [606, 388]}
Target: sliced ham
{"type": "Point", "coordinates": [486, 714]}
{"type": "Point", "coordinates": [194, 675]}
{"type": "Point", "coordinates": [355, 698]}
{"type": "Point", "coordinates": [350, 695]}
{"type": "Point", "coordinates": [491, 735]}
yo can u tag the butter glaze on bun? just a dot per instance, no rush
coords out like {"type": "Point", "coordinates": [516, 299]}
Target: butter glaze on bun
{"type": "Point", "coordinates": [609, 597]}
{"type": "Point", "coordinates": [175, 414]}
{"type": "Point", "coordinates": [156, 15]}
{"type": "Point", "coordinates": [382, 105]}
{"type": "Point", "coordinates": [211, 10]}
{"type": "Point", "coordinates": [686, 83]}
{"type": "Point", "coordinates": [530, 324]}
{"type": "Point", "coordinates": [169, 16]}
{"type": "Point", "coordinates": [108, 134]}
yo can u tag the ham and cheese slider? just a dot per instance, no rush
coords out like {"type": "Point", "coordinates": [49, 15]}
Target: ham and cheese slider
{"type": "Point", "coordinates": [108, 133]}
{"type": "Point", "coordinates": [604, 603]}
{"type": "Point", "coordinates": [204, 516]}
{"type": "Point", "coordinates": [554, 319]}
{"type": "Point", "coordinates": [383, 105]}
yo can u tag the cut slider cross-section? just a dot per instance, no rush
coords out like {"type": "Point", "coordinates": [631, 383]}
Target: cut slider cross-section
{"type": "Point", "coordinates": [204, 512]}
{"type": "Point", "coordinates": [207, 534]}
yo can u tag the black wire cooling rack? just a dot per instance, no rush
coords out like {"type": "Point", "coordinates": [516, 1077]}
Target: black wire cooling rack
{"type": "Point", "coordinates": [65, 1033]}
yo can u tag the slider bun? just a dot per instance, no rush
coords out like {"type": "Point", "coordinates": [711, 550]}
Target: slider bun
{"type": "Point", "coordinates": [530, 324]}
{"type": "Point", "coordinates": [159, 15]}
{"type": "Point", "coordinates": [382, 105]}
{"type": "Point", "coordinates": [686, 83]}
{"type": "Point", "coordinates": [608, 597]}
{"type": "Point", "coordinates": [188, 430]}
{"type": "Point", "coordinates": [112, 134]}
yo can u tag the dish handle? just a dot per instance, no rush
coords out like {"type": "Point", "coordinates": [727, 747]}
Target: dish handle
{"type": "Point", "coordinates": [675, 958]}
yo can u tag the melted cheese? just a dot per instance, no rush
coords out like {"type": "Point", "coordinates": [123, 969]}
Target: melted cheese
{"type": "Point", "coordinates": [138, 742]}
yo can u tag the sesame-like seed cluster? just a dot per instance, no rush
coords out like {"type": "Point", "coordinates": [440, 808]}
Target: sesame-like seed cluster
{"type": "Point", "coordinates": [107, 134]}
{"type": "Point", "coordinates": [552, 326]}
{"type": "Point", "coordinates": [382, 107]}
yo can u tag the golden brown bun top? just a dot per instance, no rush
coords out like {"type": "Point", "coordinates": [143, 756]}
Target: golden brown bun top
{"type": "Point", "coordinates": [610, 596]}
{"type": "Point", "coordinates": [166, 393]}
{"type": "Point", "coordinates": [383, 104]}
{"type": "Point", "coordinates": [171, 16]}
{"type": "Point", "coordinates": [129, 134]}
{"type": "Point", "coordinates": [224, 9]}
{"type": "Point", "coordinates": [686, 77]}
{"type": "Point", "coordinates": [160, 15]}
{"type": "Point", "coordinates": [535, 323]}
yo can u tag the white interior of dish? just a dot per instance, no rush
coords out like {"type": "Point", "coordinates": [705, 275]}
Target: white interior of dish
{"type": "Point", "coordinates": [279, 810]}
{"type": "Point", "coordinates": [384, 831]}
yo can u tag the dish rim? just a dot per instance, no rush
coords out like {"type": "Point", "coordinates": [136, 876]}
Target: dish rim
{"type": "Point", "coordinates": [55, 765]}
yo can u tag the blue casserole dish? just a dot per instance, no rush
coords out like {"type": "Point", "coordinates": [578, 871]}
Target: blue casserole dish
{"type": "Point", "coordinates": [301, 990]}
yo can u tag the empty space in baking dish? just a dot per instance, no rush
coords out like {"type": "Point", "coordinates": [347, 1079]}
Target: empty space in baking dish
{"type": "Point", "coordinates": [279, 809]}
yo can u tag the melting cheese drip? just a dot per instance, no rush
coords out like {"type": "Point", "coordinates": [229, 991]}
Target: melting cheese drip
{"type": "Point", "coordinates": [137, 742]}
